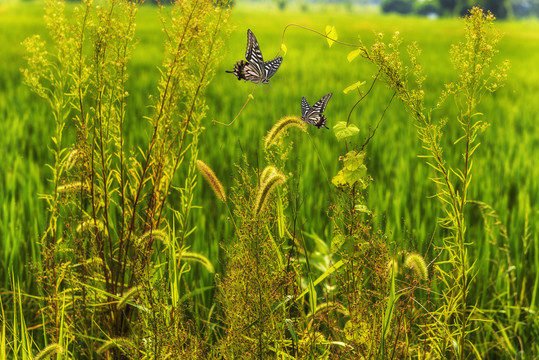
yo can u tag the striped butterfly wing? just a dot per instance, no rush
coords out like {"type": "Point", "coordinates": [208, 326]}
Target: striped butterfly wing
{"type": "Point", "coordinates": [246, 71]}
{"type": "Point", "coordinates": [321, 121]}
{"type": "Point", "coordinates": [315, 119]}
{"type": "Point", "coordinates": [252, 73]}
{"type": "Point", "coordinates": [272, 66]}
{"type": "Point", "coordinates": [255, 71]}
{"type": "Point", "coordinates": [304, 106]}
{"type": "Point", "coordinates": [313, 114]}
{"type": "Point", "coordinates": [239, 69]}
{"type": "Point", "coordinates": [321, 104]}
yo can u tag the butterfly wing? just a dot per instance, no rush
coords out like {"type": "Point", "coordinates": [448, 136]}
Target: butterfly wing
{"type": "Point", "coordinates": [304, 106]}
{"type": "Point", "coordinates": [272, 66]}
{"type": "Point", "coordinates": [313, 115]}
{"type": "Point", "coordinates": [252, 73]}
{"type": "Point", "coordinates": [321, 104]}
{"type": "Point", "coordinates": [255, 69]}
{"type": "Point", "coordinates": [239, 69]}
{"type": "Point", "coordinates": [321, 122]}
{"type": "Point", "coordinates": [254, 56]}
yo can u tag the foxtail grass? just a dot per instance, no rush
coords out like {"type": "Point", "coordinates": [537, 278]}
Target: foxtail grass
{"type": "Point", "coordinates": [124, 205]}
{"type": "Point", "coordinates": [73, 187]}
{"type": "Point", "coordinates": [49, 351]}
{"type": "Point", "coordinates": [130, 294]}
{"type": "Point", "coordinates": [267, 172]}
{"type": "Point", "coordinates": [417, 263]}
{"type": "Point", "coordinates": [212, 179]}
{"type": "Point", "coordinates": [272, 179]}
{"type": "Point", "coordinates": [161, 235]}
{"type": "Point", "coordinates": [472, 60]}
{"type": "Point", "coordinates": [281, 126]}
{"type": "Point", "coordinates": [118, 343]}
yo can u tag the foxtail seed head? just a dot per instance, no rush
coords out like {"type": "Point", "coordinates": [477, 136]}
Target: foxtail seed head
{"type": "Point", "coordinates": [48, 351]}
{"type": "Point", "coordinates": [74, 156]}
{"type": "Point", "coordinates": [156, 234]}
{"type": "Point", "coordinates": [281, 126]}
{"type": "Point", "coordinates": [268, 170]}
{"type": "Point", "coordinates": [272, 179]}
{"type": "Point", "coordinates": [90, 225]}
{"type": "Point", "coordinates": [75, 186]}
{"type": "Point", "coordinates": [214, 182]}
{"type": "Point", "coordinates": [417, 264]}
{"type": "Point", "coordinates": [120, 343]}
{"type": "Point", "coordinates": [127, 296]}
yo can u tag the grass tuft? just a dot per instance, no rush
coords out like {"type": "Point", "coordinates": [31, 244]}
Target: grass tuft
{"type": "Point", "coordinates": [272, 179]}
{"type": "Point", "coordinates": [90, 225]}
{"type": "Point", "coordinates": [281, 126]}
{"type": "Point", "coordinates": [131, 293]}
{"type": "Point", "coordinates": [118, 343]}
{"type": "Point", "coordinates": [212, 179]}
{"type": "Point", "coordinates": [418, 265]}
{"type": "Point", "coordinates": [154, 234]}
{"type": "Point", "coordinates": [72, 187]}
{"type": "Point", "coordinates": [268, 170]}
{"type": "Point", "coordinates": [49, 351]}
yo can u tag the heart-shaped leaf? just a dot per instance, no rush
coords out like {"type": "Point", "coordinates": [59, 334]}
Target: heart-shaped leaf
{"type": "Point", "coordinates": [342, 131]}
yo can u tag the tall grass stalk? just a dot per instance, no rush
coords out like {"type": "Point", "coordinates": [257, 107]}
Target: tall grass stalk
{"type": "Point", "coordinates": [109, 199]}
{"type": "Point", "coordinates": [471, 60]}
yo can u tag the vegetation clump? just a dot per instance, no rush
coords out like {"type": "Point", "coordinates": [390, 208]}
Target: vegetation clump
{"type": "Point", "coordinates": [121, 277]}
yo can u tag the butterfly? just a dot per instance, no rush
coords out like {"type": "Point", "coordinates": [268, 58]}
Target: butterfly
{"type": "Point", "coordinates": [313, 114]}
{"type": "Point", "coordinates": [255, 69]}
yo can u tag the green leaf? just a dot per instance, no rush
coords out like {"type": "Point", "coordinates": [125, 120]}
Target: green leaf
{"type": "Point", "coordinates": [342, 243]}
{"type": "Point", "coordinates": [290, 325]}
{"type": "Point", "coordinates": [352, 160]}
{"type": "Point", "coordinates": [363, 209]}
{"type": "Point", "coordinates": [352, 177]}
{"type": "Point", "coordinates": [392, 300]}
{"type": "Point", "coordinates": [283, 48]}
{"type": "Point", "coordinates": [353, 171]}
{"type": "Point", "coordinates": [338, 180]}
{"type": "Point", "coordinates": [328, 272]}
{"type": "Point", "coordinates": [281, 302]}
{"type": "Point", "coordinates": [337, 242]}
{"type": "Point", "coordinates": [353, 86]}
{"type": "Point", "coordinates": [331, 34]}
{"type": "Point", "coordinates": [280, 216]}
{"type": "Point", "coordinates": [342, 131]}
{"type": "Point", "coordinates": [312, 296]}
{"type": "Point", "coordinates": [353, 54]}
{"type": "Point", "coordinates": [275, 247]}
{"type": "Point", "coordinates": [319, 243]}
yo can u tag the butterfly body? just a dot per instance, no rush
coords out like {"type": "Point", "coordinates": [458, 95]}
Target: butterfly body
{"type": "Point", "coordinates": [255, 69]}
{"type": "Point", "coordinates": [313, 114]}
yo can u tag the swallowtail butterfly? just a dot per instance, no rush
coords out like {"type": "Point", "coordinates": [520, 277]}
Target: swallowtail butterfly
{"type": "Point", "coordinates": [255, 69]}
{"type": "Point", "coordinates": [313, 114]}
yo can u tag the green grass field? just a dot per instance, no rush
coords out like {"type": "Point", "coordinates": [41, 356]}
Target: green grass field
{"type": "Point", "coordinates": [505, 166]}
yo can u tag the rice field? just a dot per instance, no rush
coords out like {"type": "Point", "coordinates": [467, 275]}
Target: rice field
{"type": "Point", "coordinates": [505, 166]}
